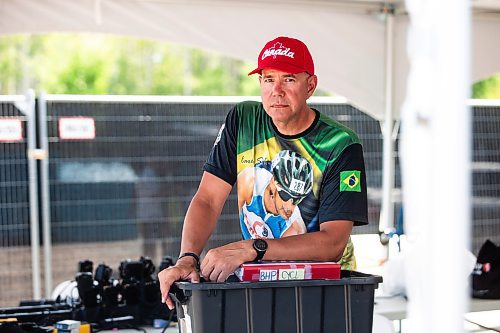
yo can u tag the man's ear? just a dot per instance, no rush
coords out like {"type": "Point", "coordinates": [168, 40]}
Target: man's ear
{"type": "Point", "coordinates": [312, 83]}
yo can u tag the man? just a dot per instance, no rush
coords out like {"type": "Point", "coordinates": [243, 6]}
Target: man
{"type": "Point", "coordinates": [257, 132]}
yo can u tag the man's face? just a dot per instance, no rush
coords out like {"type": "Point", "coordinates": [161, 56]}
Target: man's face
{"type": "Point", "coordinates": [284, 95]}
{"type": "Point", "coordinates": [281, 207]}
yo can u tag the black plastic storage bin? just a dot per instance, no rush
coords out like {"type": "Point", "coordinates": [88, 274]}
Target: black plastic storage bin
{"type": "Point", "coordinates": [301, 306]}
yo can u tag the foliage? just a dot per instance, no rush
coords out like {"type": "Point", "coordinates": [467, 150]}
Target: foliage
{"type": "Point", "coordinates": [488, 88]}
{"type": "Point", "coordinates": [103, 64]}
{"type": "Point", "coordinates": [117, 65]}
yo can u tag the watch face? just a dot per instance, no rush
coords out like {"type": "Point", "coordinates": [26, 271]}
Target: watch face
{"type": "Point", "coordinates": [260, 244]}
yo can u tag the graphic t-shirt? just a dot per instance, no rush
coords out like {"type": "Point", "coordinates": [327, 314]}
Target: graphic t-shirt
{"type": "Point", "coordinates": [328, 174]}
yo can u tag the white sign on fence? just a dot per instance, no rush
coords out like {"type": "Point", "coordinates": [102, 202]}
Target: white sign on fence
{"type": "Point", "coordinates": [76, 128]}
{"type": "Point", "coordinates": [11, 130]}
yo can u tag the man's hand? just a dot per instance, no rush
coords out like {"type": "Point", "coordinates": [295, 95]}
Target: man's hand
{"type": "Point", "coordinates": [222, 261]}
{"type": "Point", "coordinates": [184, 269]}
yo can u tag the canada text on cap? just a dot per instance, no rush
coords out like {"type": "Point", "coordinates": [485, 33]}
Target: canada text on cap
{"type": "Point", "coordinates": [285, 54]}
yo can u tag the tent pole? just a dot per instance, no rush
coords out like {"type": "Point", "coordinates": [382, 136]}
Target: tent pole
{"type": "Point", "coordinates": [386, 222]}
{"type": "Point", "coordinates": [435, 161]}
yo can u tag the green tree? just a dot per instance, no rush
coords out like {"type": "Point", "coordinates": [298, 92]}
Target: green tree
{"type": "Point", "coordinates": [488, 88]}
{"type": "Point", "coordinates": [74, 64]}
{"type": "Point", "coordinates": [16, 63]}
{"type": "Point", "coordinates": [83, 75]}
{"type": "Point", "coordinates": [103, 64]}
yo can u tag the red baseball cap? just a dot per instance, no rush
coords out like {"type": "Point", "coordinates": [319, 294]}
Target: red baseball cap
{"type": "Point", "coordinates": [285, 54]}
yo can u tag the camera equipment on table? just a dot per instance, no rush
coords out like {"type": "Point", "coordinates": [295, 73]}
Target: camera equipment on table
{"type": "Point", "coordinates": [131, 298]}
{"type": "Point", "coordinates": [134, 293]}
{"type": "Point", "coordinates": [42, 312]}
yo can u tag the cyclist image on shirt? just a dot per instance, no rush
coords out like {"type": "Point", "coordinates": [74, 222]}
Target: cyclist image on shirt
{"type": "Point", "coordinates": [271, 192]}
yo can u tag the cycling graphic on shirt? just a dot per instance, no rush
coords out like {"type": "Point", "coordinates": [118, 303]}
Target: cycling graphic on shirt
{"type": "Point", "coordinates": [269, 194]}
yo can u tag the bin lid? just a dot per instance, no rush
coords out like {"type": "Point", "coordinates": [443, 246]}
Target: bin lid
{"type": "Point", "coordinates": [346, 278]}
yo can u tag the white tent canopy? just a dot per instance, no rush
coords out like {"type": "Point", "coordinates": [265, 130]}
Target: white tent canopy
{"type": "Point", "coordinates": [359, 46]}
{"type": "Point", "coordinates": [348, 39]}
{"type": "Point", "coordinates": [360, 52]}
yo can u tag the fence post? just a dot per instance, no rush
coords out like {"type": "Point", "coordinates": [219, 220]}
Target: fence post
{"type": "Point", "coordinates": [45, 193]}
{"type": "Point", "coordinates": [29, 110]}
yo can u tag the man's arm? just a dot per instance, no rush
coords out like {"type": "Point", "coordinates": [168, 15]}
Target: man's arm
{"type": "Point", "coordinates": [327, 244]}
{"type": "Point", "coordinates": [199, 224]}
{"type": "Point", "coordinates": [203, 212]}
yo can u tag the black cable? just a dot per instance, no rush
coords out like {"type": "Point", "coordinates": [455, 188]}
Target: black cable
{"type": "Point", "coordinates": [169, 320]}
{"type": "Point", "coordinates": [482, 326]}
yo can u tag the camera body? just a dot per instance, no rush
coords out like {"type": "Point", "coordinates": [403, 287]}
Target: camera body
{"type": "Point", "coordinates": [135, 292]}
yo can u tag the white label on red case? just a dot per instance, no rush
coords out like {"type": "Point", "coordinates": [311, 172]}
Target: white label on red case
{"type": "Point", "coordinates": [268, 275]}
{"type": "Point", "coordinates": [292, 274]}
{"type": "Point", "coordinates": [11, 130]}
{"type": "Point", "coordinates": [77, 128]}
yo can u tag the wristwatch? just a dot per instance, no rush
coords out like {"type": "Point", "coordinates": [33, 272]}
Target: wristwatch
{"type": "Point", "coordinates": [191, 254]}
{"type": "Point", "coordinates": [260, 247]}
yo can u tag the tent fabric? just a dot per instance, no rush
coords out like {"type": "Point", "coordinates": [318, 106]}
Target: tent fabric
{"type": "Point", "coordinates": [347, 38]}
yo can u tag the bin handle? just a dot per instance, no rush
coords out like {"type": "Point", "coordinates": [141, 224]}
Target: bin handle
{"type": "Point", "coordinates": [177, 294]}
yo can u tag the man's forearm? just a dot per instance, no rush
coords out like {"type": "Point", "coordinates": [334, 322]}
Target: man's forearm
{"type": "Point", "coordinates": [327, 244]}
{"type": "Point", "coordinates": [199, 224]}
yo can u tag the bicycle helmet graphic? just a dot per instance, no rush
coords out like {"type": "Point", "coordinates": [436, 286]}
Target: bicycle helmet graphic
{"type": "Point", "coordinates": [293, 175]}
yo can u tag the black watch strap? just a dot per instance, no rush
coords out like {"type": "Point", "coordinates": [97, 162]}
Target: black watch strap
{"type": "Point", "coordinates": [260, 247]}
{"type": "Point", "coordinates": [191, 254]}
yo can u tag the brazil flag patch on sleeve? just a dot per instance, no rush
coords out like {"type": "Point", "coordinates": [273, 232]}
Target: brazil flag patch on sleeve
{"type": "Point", "coordinates": [350, 181]}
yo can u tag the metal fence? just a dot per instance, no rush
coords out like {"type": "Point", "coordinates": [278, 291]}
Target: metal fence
{"type": "Point", "coordinates": [485, 173]}
{"type": "Point", "coordinates": [144, 165]}
{"type": "Point", "coordinates": [116, 176]}
{"type": "Point", "coordinates": [19, 232]}
{"type": "Point", "coordinates": [14, 177]}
